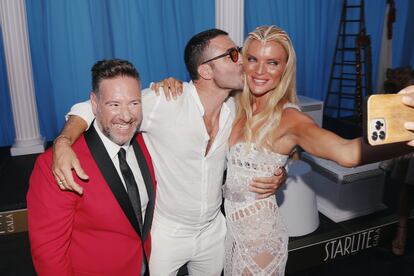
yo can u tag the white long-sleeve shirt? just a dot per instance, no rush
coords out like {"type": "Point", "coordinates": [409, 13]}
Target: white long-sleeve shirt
{"type": "Point", "coordinates": [188, 182]}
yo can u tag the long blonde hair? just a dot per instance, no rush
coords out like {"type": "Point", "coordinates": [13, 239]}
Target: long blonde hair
{"type": "Point", "coordinates": [267, 120]}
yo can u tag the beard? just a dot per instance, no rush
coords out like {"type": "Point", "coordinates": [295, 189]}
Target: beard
{"type": "Point", "coordinates": [119, 139]}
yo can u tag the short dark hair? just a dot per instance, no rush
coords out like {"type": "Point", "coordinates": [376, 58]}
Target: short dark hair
{"type": "Point", "coordinates": [109, 69]}
{"type": "Point", "coordinates": [194, 50]}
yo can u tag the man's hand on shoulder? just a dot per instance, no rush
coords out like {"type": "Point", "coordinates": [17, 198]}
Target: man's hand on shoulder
{"type": "Point", "coordinates": [170, 86]}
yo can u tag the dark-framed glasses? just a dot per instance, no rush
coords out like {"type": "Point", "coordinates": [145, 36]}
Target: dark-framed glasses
{"type": "Point", "coordinates": [232, 52]}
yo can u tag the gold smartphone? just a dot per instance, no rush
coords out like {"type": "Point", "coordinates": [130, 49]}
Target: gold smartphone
{"type": "Point", "coordinates": [386, 115]}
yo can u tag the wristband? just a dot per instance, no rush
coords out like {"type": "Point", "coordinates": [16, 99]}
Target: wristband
{"type": "Point", "coordinates": [62, 136]}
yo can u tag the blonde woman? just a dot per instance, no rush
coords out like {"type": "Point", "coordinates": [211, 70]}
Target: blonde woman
{"type": "Point", "coordinates": [267, 127]}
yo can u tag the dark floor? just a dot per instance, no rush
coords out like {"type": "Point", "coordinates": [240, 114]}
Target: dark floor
{"type": "Point", "coordinates": [379, 261]}
{"type": "Point", "coordinates": [15, 259]}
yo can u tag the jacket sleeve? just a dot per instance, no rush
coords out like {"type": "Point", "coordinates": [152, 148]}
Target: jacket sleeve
{"type": "Point", "coordinates": [50, 221]}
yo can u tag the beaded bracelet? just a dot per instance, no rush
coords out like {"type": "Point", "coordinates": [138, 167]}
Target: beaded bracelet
{"type": "Point", "coordinates": [62, 136]}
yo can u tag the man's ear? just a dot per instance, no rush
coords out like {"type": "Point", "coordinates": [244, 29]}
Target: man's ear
{"type": "Point", "coordinates": [205, 71]}
{"type": "Point", "coordinates": [94, 102]}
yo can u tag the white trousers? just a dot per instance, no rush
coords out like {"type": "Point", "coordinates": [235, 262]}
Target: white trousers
{"type": "Point", "coordinates": [175, 244]}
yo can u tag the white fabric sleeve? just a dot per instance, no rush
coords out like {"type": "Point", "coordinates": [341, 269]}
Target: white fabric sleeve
{"type": "Point", "coordinates": [83, 110]}
{"type": "Point", "coordinates": [150, 104]}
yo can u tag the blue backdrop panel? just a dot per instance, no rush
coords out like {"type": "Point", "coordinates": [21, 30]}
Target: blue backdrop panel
{"type": "Point", "coordinates": [403, 38]}
{"type": "Point", "coordinates": [68, 37]}
{"type": "Point", "coordinates": [6, 117]}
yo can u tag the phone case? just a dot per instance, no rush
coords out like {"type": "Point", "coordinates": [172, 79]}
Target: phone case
{"type": "Point", "coordinates": [386, 115]}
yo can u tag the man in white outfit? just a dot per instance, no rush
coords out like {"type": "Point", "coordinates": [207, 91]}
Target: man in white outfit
{"type": "Point", "coordinates": [188, 142]}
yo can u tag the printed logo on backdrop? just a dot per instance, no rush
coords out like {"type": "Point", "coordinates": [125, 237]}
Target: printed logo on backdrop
{"type": "Point", "coordinates": [6, 224]}
{"type": "Point", "coordinates": [312, 251]}
{"type": "Point", "coordinates": [351, 244]}
{"type": "Point", "coordinates": [13, 221]}
{"type": "Point", "coordinates": [327, 247]}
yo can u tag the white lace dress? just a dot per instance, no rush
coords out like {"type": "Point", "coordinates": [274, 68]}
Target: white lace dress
{"type": "Point", "coordinates": [257, 239]}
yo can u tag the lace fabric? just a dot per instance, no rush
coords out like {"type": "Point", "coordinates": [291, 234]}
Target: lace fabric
{"type": "Point", "coordinates": [257, 239]}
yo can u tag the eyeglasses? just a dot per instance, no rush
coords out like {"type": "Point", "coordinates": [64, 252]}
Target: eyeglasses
{"type": "Point", "coordinates": [232, 52]}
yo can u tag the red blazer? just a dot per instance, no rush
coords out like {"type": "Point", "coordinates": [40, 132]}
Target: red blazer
{"type": "Point", "coordinates": [89, 234]}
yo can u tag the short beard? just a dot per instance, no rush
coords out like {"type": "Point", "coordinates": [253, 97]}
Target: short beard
{"type": "Point", "coordinates": [107, 133]}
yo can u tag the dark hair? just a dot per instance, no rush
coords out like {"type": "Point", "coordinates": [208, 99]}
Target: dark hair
{"type": "Point", "coordinates": [112, 68]}
{"type": "Point", "coordinates": [194, 50]}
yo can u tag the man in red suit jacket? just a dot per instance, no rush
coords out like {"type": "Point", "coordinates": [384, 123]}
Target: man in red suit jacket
{"type": "Point", "coordinates": [103, 231]}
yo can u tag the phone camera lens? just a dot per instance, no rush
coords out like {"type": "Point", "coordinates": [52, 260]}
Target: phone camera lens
{"type": "Point", "coordinates": [378, 125]}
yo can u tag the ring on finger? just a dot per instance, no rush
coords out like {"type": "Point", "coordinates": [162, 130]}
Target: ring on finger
{"type": "Point", "coordinates": [282, 170]}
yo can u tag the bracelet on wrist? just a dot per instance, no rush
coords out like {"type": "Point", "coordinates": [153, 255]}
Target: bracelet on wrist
{"type": "Point", "coordinates": [64, 137]}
